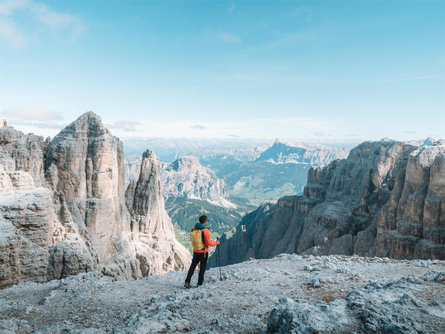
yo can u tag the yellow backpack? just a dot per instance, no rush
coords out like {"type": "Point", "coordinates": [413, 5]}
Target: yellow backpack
{"type": "Point", "coordinates": [196, 237]}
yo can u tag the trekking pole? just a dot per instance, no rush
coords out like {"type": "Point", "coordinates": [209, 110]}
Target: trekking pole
{"type": "Point", "coordinates": [219, 262]}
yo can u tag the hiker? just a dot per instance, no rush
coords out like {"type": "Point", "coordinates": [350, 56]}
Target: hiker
{"type": "Point", "coordinates": [200, 238]}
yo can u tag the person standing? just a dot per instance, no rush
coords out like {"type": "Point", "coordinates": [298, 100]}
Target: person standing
{"type": "Point", "coordinates": [200, 238]}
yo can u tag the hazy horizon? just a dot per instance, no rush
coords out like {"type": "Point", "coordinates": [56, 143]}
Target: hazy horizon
{"type": "Point", "coordinates": [209, 141]}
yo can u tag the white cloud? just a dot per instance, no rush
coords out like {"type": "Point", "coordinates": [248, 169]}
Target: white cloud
{"type": "Point", "coordinates": [36, 126]}
{"type": "Point", "coordinates": [49, 123]}
{"type": "Point", "coordinates": [11, 35]}
{"type": "Point", "coordinates": [125, 126]}
{"type": "Point", "coordinates": [16, 38]}
{"type": "Point", "coordinates": [303, 127]}
{"type": "Point", "coordinates": [198, 127]}
{"type": "Point", "coordinates": [7, 7]}
{"type": "Point", "coordinates": [33, 113]}
{"type": "Point", "coordinates": [229, 38]}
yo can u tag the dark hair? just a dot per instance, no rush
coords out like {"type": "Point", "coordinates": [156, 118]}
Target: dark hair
{"type": "Point", "coordinates": [203, 219]}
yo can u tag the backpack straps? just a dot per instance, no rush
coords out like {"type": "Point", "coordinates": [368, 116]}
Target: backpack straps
{"type": "Point", "coordinates": [203, 240]}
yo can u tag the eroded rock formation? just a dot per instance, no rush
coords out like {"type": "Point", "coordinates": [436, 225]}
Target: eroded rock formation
{"type": "Point", "coordinates": [63, 211]}
{"type": "Point", "coordinates": [386, 199]}
{"type": "Point", "coordinates": [155, 242]}
{"type": "Point", "coordinates": [185, 178]}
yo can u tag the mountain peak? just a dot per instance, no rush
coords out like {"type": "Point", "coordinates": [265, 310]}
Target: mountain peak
{"type": "Point", "coordinates": [428, 141]}
{"type": "Point", "coordinates": [149, 154]}
{"type": "Point", "coordinates": [89, 117]}
{"type": "Point", "coordinates": [87, 125]}
{"type": "Point", "coordinates": [185, 162]}
{"type": "Point", "coordinates": [286, 152]}
{"type": "Point", "coordinates": [387, 139]}
{"type": "Point", "coordinates": [278, 142]}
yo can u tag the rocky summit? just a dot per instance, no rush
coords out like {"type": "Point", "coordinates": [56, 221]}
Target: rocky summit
{"type": "Point", "coordinates": [385, 199]}
{"type": "Point", "coordinates": [63, 210]}
{"type": "Point", "coordinates": [156, 246]}
{"type": "Point", "coordinates": [285, 152]}
{"type": "Point", "coordinates": [186, 177]}
{"type": "Point", "coordinates": [190, 190]}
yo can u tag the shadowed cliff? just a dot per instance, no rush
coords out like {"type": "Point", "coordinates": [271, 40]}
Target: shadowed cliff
{"type": "Point", "coordinates": [386, 199]}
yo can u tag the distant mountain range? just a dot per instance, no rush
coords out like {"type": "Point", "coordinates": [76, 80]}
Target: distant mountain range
{"type": "Point", "coordinates": [169, 149]}
{"type": "Point", "coordinates": [279, 170]}
{"type": "Point", "coordinates": [65, 207]}
{"type": "Point", "coordinates": [232, 181]}
{"type": "Point", "coordinates": [386, 199]}
{"type": "Point", "coordinates": [191, 190]}
{"type": "Point", "coordinates": [282, 152]}
{"type": "Point", "coordinates": [186, 177]}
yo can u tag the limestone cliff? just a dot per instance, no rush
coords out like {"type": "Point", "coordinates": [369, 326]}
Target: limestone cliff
{"type": "Point", "coordinates": [386, 199]}
{"type": "Point", "coordinates": [186, 177]}
{"type": "Point", "coordinates": [156, 245]}
{"type": "Point", "coordinates": [84, 168]}
{"type": "Point", "coordinates": [27, 216]}
{"type": "Point", "coordinates": [63, 211]}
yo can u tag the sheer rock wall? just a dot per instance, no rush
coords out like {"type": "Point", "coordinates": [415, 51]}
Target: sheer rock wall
{"type": "Point", "coordinates": [386, 199]}
{"type": "Point", "coordinates": [63, 210]}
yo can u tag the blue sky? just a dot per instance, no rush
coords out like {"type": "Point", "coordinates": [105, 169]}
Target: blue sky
{"type": "Point", "coordinates": [313, 70]}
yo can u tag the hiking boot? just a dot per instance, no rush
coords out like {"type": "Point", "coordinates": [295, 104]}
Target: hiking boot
{"type": "Point", "coordinates": [187, 285]}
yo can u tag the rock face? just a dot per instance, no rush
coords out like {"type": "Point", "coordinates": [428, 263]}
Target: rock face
{"type": "Point", "coordinates": [156, 246]}
{"type": "Point", "coordinates": [63, 211]}
{"type": "Point", "coordinates": [283, 152]}
{"type": "Point", "coordinates": [386, 199]}
{"type": "Point", "coordinates": [20, 152]}
{"type": "Point", "coordinates": [27, 216]}
{"type": "Point", "coordinates": [190, 190]}
{"type": "Point", "coordinates": [186, 177]}
{"type": "Point", "coordinates": [84, 167]}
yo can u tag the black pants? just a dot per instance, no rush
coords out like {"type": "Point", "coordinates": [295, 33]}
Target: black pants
{"type": "Point", "coordinates": [200, 258]}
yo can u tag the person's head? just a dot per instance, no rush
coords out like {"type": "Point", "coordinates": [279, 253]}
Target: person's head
{"type": "Point", "coordinates": [203, 220]}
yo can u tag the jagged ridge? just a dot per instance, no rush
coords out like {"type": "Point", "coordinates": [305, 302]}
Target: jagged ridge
{"type": "Point", "coordinates": [62, 209]}
{"type": "Point", "coordinates": [385, 199]}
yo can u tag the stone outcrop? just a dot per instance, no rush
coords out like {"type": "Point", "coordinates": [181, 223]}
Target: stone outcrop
{"type": "Point", "coordinates": [186, 177]}
{"type": "Point", "coordinates": [63, 210]}
{"type": "Point", "coordinates": [27, 216]}
{"type": "Point", "coordinates": [84, 165]}
{"type": "Point", "coordinates": [155, 242]}
{"type": "Point", "coordinates": [386, 199]}
{"type": "Point", "coordinates": [20, 152]}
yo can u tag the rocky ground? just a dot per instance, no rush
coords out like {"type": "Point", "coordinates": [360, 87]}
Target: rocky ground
{"type": "Point", "coordinates": [286, 294]}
